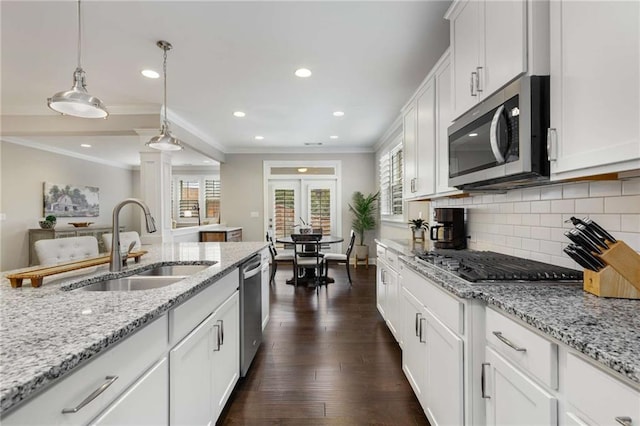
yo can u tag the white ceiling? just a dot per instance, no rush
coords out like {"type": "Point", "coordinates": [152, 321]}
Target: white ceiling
{"type": "Point", "coordinates": [367, 58]}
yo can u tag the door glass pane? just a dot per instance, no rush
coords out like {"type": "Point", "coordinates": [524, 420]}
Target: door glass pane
{"type": "Point", "coordinates": [284, 214]}
{"type": "Point", "coordinates": [320, 209]}
{"type": "Point", "coordinates": [212, 199]}
{"type": "Point", "coordinates": [189, 193]}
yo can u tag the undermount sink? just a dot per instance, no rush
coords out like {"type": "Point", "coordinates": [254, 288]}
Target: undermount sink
{"type": "Point", "coordinates": [156, 277]}
{"type": "Point", "coordinates": [173, 270]}
{"type": "Point", "coordinates": [132, 283]}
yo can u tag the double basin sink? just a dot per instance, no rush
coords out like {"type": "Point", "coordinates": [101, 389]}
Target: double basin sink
{"type": "Point", "coordinates": [156, 277]}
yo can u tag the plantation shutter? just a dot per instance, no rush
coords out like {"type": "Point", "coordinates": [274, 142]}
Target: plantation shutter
{"type": "Point", "coordinates": [284, 212]}
{"type": "Point", "coordinates": [212, 198]}
{"type": "Point", "coordinates": [189, 194]}
{"type": "Point", "coordinates": [396, 182]}
{"type": "Point", "coordinates": [391, 182]}
{"type": "Point", "coordinates": [320, 209]}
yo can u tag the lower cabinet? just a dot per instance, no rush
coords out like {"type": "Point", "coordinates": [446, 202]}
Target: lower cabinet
{"type": "Point", "coordinates": [512, 397]}
{"type": "Point", "coordinates": [388, 291]}
{"type": "Point", "coordinates": [265, 287]}
{"type": "Point", "coordinates": [144, 403]}
{"type": "Point", "coordinates": [414, 350]}
{"type": "Point", "coordinates": [205, 367]}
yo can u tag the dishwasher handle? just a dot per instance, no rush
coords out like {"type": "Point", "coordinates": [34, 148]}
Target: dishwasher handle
{"type": "Point", "coordinates": [252, 268]}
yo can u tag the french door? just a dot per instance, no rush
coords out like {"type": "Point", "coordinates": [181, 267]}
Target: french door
{"type": "Point", "coordinates": [296, 202]}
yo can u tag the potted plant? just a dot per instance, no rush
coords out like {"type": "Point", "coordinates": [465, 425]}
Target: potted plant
{"type": "Point", "coordinates": [49, 222]}
{"type": "Point", "coordinates": [418, 226]}
{"type": "Point", "coordinates": [364, 219]}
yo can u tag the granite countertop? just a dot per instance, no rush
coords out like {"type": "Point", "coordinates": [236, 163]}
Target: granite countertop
{"type": "Point", "coordinates": [46, 332]}
{"type": "Point", "coordinates": [605, 330]}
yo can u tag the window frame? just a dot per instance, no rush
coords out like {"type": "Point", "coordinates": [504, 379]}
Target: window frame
{"type": "Point", "coordinates": [176, 198]}
{"type": "Point", "coordinates": [386, 186]}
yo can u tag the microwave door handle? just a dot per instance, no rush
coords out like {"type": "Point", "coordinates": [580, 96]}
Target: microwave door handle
{"type": "Point", "coordinates": [493, 135]}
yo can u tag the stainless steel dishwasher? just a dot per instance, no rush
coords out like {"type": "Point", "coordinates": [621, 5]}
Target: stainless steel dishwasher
{"type": "Point", "coordinates": [250, 311]}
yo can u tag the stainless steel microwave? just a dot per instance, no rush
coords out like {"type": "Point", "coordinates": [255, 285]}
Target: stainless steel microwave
{"type": "Point", "coordinates": [502, 142]}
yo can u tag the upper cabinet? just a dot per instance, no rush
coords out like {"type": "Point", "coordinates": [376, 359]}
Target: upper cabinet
{"type": "Point", "coordinates": [595, 88]}
{"type": "Point", "coordinates": [425, 121]}
{"type": "Point", "coordinates": [492, 43]}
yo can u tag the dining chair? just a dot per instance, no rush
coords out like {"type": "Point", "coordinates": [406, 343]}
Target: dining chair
{"type": "Point", "coordinates": [306, 255]}
{"type": "Point", "coordinates": [69, 249]}
{"type": "Point", "coordinates": [126, 238]}
{"type": "Point", "coordinates": [339, 257]}
{"type": "Point", "coordinates": [286, 258]}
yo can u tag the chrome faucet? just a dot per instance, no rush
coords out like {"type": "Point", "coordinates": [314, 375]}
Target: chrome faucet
{"type": "Point", "coordinates": [116, 255]}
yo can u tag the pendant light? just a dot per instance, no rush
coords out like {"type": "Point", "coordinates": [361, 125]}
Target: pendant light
{"type": "Point", "coordinates": [77, 101]}
{"type": "Point", "coordinates": [165, 141]}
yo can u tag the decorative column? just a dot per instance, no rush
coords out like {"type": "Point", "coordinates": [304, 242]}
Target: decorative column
{"type": "Point", "coordinates": [155, 189]}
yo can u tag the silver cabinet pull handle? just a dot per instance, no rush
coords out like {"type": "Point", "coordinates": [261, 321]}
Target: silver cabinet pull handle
{"type": "Point", "coordinates": [418, 315]}
{"type": "Point", "coordinates": [483, 381]}
{"type": "Point", "coordinates": [103, 387]}
{"type": "Point", "coordinates": [552, 144]}
{"type": "Point", "coordinates": [218, 343]}
{"type": "Point", "coordinates": [473, 82]}
{"type": "Point", "coordinates": [221, 331]}
{"type": "Point", "coordinates": [624, 420]}
{"type": "Point", "coordinates": [508, 342]}
{"type": "Point", "coordinates": [478, 88]}
{"type": "Point", "coordinates": [421, 328]}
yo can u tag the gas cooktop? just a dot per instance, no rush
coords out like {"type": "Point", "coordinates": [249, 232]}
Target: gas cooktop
{"type": "Point", "coordinates": [488, 266]}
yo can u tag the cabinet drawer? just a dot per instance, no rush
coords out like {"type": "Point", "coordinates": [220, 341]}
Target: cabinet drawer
{"type": "Point", "coordinates": [381, 252]}
{"type": "Point", "coordinates": [598, 396]}
{"type": "Point", "coordinates": [127, 360]}
{"type": "Point", "coordinates": [533, 353]}
{"type": "Point", "coordinates": [234, 235]}
{"type": "Point", "coordinates": [441, 304]}
{"type": "Point", "coordinates": [187, 316]}
{"type": "Point", "coordinates": [392, 259]}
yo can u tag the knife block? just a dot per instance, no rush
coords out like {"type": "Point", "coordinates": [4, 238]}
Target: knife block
{"type": "Point", "coordinates": [620, 278]}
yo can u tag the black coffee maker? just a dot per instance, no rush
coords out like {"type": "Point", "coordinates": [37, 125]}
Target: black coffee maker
{"type": "Point", "coordinates": [449, 232]}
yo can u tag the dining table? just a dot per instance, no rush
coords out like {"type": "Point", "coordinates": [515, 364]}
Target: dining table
{"type": "Point", "coordinates": [309, 272]}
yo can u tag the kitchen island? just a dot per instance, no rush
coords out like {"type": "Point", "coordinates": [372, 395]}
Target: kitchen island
{"type": "Point", "coordinates": [48, 332]}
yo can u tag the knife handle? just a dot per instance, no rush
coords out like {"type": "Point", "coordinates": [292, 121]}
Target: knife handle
{"type": "Point", "coordinates": [599, 230]}
{"type": "Point", "coordinates": [589, 234]}
{"type": "Point", "coordinates": [581, 240]}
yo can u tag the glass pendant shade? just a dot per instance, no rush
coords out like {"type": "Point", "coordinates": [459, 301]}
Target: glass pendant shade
{"type": "Point", "coordinates": [165, 141]}
{"type": "Point", "coordinates": [78, 102]}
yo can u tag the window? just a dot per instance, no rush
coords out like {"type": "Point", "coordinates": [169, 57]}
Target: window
{"type": "Point", "coordinates": [391, 183]}
{"type": "Point", "coordinates": [320, 209]}
{"type": "Point", "coordinates": [195, 198]}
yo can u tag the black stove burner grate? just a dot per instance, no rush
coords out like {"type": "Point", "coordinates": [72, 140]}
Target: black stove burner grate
{"type": "Point", "coordinates": [477, 266]}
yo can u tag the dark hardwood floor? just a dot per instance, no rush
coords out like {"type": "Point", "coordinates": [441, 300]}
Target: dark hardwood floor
{"type": "Point", "coordinates": [326, 359]}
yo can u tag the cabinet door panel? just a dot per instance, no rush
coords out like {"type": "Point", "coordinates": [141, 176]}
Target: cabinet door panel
{"type": "Point", "coordinates": [595, 63]}
{"type": "Point", "coordinates": [145, 403]}
{"type": "Point", "coordinates": [381, 288]}
{"type": "Point", "coordinates": [444, 375]}
{"type": "Point", "coordinates": [226, 360]}
{"type": "Point", "coordinates": [505, 28]}
{"type": "Point", "coordinates": [426, 141]}
{"type": "Point", "coordinates": [465, 35]}
{"type": "Point", "coordinates": [514, 399]}
{"type": "Point", "coordinates": [414, 350]}
{"type": "Point", "coordinates": [444, 117]}
{"type": "Point", "coordinates": [190, 397]}
{"type": "Point", "coordinates": [410, 151]}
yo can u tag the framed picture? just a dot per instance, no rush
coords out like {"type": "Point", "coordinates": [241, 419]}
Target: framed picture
{"type": "Point", "coordinates": [71, 200]}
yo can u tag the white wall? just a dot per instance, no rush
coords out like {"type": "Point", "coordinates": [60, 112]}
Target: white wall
{"type": "Point", "coordinates": [530, 222]}
{"type": "Point", "coordinates": [24, 170]}
{"type": "Point", "coordinates": [241, 179]}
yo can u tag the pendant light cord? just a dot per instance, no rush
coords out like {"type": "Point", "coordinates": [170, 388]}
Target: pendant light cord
{"type": "Point", "coordinates": [164, 71]}
{"type": "Point", "coordinates": [79, 35]}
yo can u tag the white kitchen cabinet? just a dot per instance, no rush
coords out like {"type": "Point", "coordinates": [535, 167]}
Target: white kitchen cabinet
{"type": "Point", "coordinates": [205, 367]}
{"type": "Point", "coordinates": [265, 287]}
{"type": "Point", "coordinates": [426, 120]}
{"type": "Point", "coordinates": [144, 403]}
{"type": "Point", "coordinates": [513, 398]}
{"type": "Point", "coordinates": [414, 350]}
{"type": "Point", "coordinates": [444, 380]}
{"type": "Point", "coordinates": [597, 398]}
{"type": "Point", "coordinates": [387, 289]}
{"type": "Point", "coordinates": [492, 43]}
{"type": "Point", "coordinates": [595, 89]}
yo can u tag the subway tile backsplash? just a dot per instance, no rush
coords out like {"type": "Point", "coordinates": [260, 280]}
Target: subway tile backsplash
{"type": "Point", "coordinates": [531, 223]}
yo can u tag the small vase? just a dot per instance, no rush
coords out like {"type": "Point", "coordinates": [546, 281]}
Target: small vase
{"type": "Point", "coordinates": [418, 235]}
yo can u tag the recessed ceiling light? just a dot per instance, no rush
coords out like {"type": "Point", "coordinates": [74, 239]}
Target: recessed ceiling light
{"type": "Point", "coordinates": [333, 137]}
{"type": "Point", "coordinates": [338, 113]}
{"type": "Point", "coordinates": [473, 134]}
{"type": "Point", "coordinates": [302, 170]}
{"type": "Point", "coordinates": [303, 72]}
{"type": "Point", "coordinates": [85, 145]}
{"type": "Point", "coordinates": [206, 161]}
{"type": "Point", "coordinates": [313, 143]}
{"type": "Point", "coordinates": [239, 114]}
{"type": "Point", "coordinates": [259, 138]}
{"type": "Point", "coordinates": [150, 73]}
